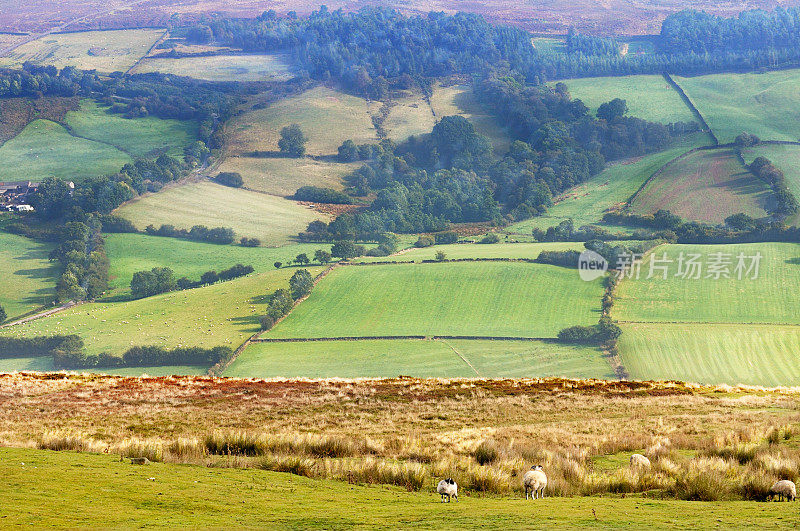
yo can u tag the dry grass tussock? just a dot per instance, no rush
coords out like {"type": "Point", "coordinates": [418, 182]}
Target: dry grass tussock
{"type": "Point", "coordinates": [704, 443]}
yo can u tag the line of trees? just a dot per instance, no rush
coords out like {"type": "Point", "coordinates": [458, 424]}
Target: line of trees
{"type": "Point", "coordinates": [162, 280]}
{"type": "Point", "coordinates": [281, 301]}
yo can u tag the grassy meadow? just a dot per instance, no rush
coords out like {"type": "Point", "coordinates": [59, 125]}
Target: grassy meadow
{"type": "Point", "coordinates": [455, 251]}
{"type": "Point", "coordinates": [46, 149]}
{"type": "Point", "coordinates": [238, 67]}
{"type": "Point", "coordinates": [140, 137]}
{"type": "Point", "coordinates": [105, 51]}
{"type": "Point", "coordinates": [221, 314]}
{"type": "Point", "coordinates": [273, 220]}
{"type": "Point", "coordinates": [771, 298]}
{"type": "Point", "coordinates": [459, 100]}
{"type": "Point", "coordinates": [734, 354]}
{"type": "Point", "coordinates": [648, 97]}
{"type": "Point", "coordinates": [481, 299]}
{"type": "Point", "coordinates": [283, 176]}
{"type": "Point", "coordinates": [706, 444]}
{"type": "Point", "coordinates": [586, 203]}
{"type": "Point", "coordinates": [705, 186]}
{"type": "Point", "coordinates": [787, 158]}
{"type": "Point", "coordinates": [130, 253]}
{"type": "Point", "coordinates": [170, 495]}
{"type": "Point", "coordinates": [27, 277]}
{"type": "Point", "coordinates": [408, 115]}
{"type": "Point", "coordinates": [419, 358]}
{"type": "Point", "coordinates": [766, 105]}
{"type": "Point", "coordinates": [326, 116]}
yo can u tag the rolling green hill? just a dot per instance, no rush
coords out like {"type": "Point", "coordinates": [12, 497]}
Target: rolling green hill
{"type": "Point", "coordinates": [27, 277]}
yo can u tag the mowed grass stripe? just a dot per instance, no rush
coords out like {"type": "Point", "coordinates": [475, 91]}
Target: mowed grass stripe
{"type": "Point", "coordinates": [705, 186]}
{"type": "Point", "coordinates": [508, 299]}
{"type": "Point", "coordinates": [272, 219]}
{"type": "Point", "coordinates": [765, 355]}
{"type": "Point", "coordinates": [419, 358]}
{"type": "Point", "coordinates": [771, 298]}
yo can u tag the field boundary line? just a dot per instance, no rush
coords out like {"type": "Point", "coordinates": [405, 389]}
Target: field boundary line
{"type": "Point", "coordinates": [41, 315]}
{"type": "Point", "coordinates": [737, 323]}
{"type": "Point", "coordinates": [465, 360]}
{"type": "Point", "coordinates": [148, 52]}
{"type": "Point", "coordinates": [400, 337]}
{"type": "Point", "coordinates": [691, 105]}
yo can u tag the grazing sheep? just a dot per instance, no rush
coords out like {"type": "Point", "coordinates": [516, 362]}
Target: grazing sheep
{"type": "Point", "coordinates": [447, 487]}
{"type": "Point", "coordinates": [784, 489]}
{"type": "Point", "coordinates": [640, 460]}
{"type": "Point", "coordinates": [139, 461]}
{"type": "Point", "coordinates": [535, 480]}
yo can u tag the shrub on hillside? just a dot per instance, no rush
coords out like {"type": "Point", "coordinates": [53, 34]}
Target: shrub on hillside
{"type": "Point", "coordinates": [316, 194]}
{"type": "Point", "coordinates": [229, 178]}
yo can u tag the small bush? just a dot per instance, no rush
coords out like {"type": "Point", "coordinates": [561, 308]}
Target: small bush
{"type": "Point", "coordinates": [228, 178]}
{"type": "Point", "coordinates": [486, 453]}
{"type": "Point", "coordinates": [490, 238]}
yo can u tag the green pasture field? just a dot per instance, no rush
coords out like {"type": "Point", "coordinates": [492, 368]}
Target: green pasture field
{"type": "Point", "coordinates": [283, 176]}
{"type": "Point", "coordinates": [549, 44]}
{"type": "Point", "coordinates": [459, 100]}
{"type": "Point", "coordinates": [105, 492]}
{"type": "Point", "coordinates": [106, 51]}
{"type": "Point", "coordinates": [45, 364]}
{"type": "Point", "coordinates": [767, 105]}
{"type": "Point", "coordinates": [237, 67]}
{"type": "Point", "coordinates": [419, 358]}
{"type": "Point", "coordinates": [771, 298]}
{"type": "Point", "coordinates": [27, 277]}
{"type": "Point", "coordinates": [271, 219]}
{"type": "Point", "coordinates": [705, 186]}
{"type": "Point", "coordinates": [648, 97]}
{"type": "Point", "coordinates": [476, 250]}
{"type": "Point", "coordinates": [587, 202]}
{"type": "Point", "coordinates": [130, 253]}
{"type": "Point", "coordinates": [327, 117]}
{"type": "Point", "coordinates": [482, 299]}
{"type": "Point", "coordinates": [221, 314]}
{"type": "Point", "coordinates": [46, 149]}
{"type": "Point", "coordinates": [787, 158]}
{"type": "Point", "coordinates": [409, 115]}
{"type": "Point", "coordinates": [763, 355]}
{"type": "Point", "coordinates": [140, 137]}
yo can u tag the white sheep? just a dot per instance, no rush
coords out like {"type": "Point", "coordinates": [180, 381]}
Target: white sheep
{"type": "Point", "coordinates": [449, 488]}
{"type": "Point", "coordinates": [535, 480]}
{"type": "Point", "coordinates": [640, 460]}
{"type": "Point", "coordinates": [784, 489]}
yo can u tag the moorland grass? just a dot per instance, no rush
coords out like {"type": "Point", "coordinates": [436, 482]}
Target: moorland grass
{"type": "Point", "coordinates": [130, 253]}
{"type": "Point", "coordinates": [705, 186]}
{"type": "Point", "coordinates": [27, 277]}
{"type": "Point", "coordinates": [409, 115]}
{"type": "Point", "coordinates": [106, 51]}
{"type": "Point", "coordinates": [238, 67]}
{"type": "Point", "coordinates": [648, 97]}
{"type": "Point", "coordinates": [482, 299]}
{"type": "Point", "coordinates": [787, 158]}
{"type": "Point", "coordinates": [283, 176]}
{"type": "Point", "coordinates": [223, 314]}
{"type": "Point", "coordinates": [712, 353]}
{"type": "Point", "coordinates": [106, 492]}
{"type": "Point", "coordinates": [587, 202]}
{"type": "Point", "coordinates": [139, 137]}
{"type": "Point", "coordinates": [420, 358]}
{"type": "Point", "coordinates": [459, 100]}
{"type": "Point", "coordinates": [273, 220]}
{"type": "Point", "coordinates": [771, 298]}
{"type": "Point", "coordinates": [766, 104]}
{"type": "Point", "coordinates": [45, 149]}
